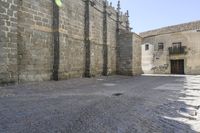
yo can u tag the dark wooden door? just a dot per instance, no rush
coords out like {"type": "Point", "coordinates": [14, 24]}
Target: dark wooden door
{"type": "Point", "coordinates": [177, 66]}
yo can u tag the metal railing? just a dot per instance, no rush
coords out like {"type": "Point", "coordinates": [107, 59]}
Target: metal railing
{"type": "Point", "coordinates": [177, 50]}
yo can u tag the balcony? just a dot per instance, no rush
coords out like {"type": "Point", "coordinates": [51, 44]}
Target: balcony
{"type": "Point", "coordinates": [177, 50]}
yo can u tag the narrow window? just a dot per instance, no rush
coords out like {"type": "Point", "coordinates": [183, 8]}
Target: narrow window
{"type": "Point", "coordinates": [147, 47]}
{"type": "Point", "coordinates": [160, 46]}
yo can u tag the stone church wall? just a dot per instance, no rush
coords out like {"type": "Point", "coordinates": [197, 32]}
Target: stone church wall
{"type": "Point", "coordinates": [111, 34]}
{"type": "Point", "coordinates": [129, 54]}
{"type": "Point", "coordinates": [34, 46]}
{"type": "Point", "coordinates": [71, 29]}
{"type": "Point", "coordinates": [8, 41]}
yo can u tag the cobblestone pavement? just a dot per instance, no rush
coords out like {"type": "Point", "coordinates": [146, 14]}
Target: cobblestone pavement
{"type": "Point", "coordinates": [116, 104]}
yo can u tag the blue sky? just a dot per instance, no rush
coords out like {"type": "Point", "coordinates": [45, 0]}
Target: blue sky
{"type": "Point", "coordinates": [151, 14]}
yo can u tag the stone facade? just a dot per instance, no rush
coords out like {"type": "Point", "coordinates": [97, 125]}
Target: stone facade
{"type": "Point", "coordinates": [187, 35]}
{"type": "Point", "coordinates": [39, 41]}
{"type": "Point", "coordinates": [147, 58]}
{"type": "Point", "coordinates": [72, 47]}
{"type": "Point", "coordinates": [8, 41]}
{"type": "Point", "coordinates": [129, 54]}
{"type": "Point", "coordinates": [35, 46]}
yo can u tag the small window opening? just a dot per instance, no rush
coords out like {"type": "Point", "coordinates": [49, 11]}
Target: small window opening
{"type": "Point", "coordinates": [160, 46]}
{"type": "Point", "coordinates": [177, 44]}
{"type": "Point", "coordinates": [147, 47]}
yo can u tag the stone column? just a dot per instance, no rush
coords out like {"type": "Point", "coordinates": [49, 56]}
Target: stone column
{"type": "Point", "coordinates": [117, 37]}
{"type": "Point", "coordinates": [118, 15]}
{"type": "Point", "coordinates": [127, 21]}
{"type": "Point", "coordinates": [105, 45]}
{"type": "Point", "coordinates": [56, 41]}
{"type": "Point", "coordinates": [87, 39]}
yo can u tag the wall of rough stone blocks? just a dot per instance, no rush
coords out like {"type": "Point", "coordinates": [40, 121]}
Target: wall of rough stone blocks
{"type": "Point", "coordinates": [72, 51]}
{"type": "Point", "coordinates": [8, 41]}
{"type": "Point", "coordinates": [137, 55]}
{"type": "Point", "coordinates": [112, 40]}
{"type": "Point", "coordinates": [72, 47]}
{"type": "Point", "coordinates": [27, 42]}
{"type": "Point", "coordinates": [129, 54]}
{"type": "Point", "coordinates": [125, 53]}
{"type": "Point", "coordinates": [35, 47]}
{"type": "Point", "coordinates": [96, 38]}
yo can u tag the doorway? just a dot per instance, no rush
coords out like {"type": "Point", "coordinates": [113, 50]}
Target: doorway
{"type": "Point", "coordinates": [177, 67]}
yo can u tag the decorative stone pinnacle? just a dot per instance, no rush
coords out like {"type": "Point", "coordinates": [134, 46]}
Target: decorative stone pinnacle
{"type": "Point", "coordinates": [118, 6]}
{"type": "Point", "coordinates": [127, 21]}
{"type": "Point", "coordinates": [127, 13]}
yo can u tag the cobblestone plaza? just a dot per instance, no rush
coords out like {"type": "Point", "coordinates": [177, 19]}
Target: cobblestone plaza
{"type": "Point", "coordinates": [116, 104]}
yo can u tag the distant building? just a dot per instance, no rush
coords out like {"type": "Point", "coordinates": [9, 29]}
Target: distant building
{"type": "Point", "coordinates": [172, 50]}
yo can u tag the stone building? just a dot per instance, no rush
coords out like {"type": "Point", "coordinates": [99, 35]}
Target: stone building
{"type": "Point", "coordinates": [172, 50]}
{"type": "Point", "coordinates": [40, 41]}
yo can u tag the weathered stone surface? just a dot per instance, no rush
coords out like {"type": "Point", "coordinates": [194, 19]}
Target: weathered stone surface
{"type": "Point", "coordinates": [137, 54]}
{"type": "Point", "coordinates": [129, 53]}
{"type": "Point", "coordinates": [159, 60]}
{"type": "Point", "coordinates": [27, 38]}
{"type": "Point", "coordinates": [35, 49]}
{"type": "Point", "coordinates": [8, 42]}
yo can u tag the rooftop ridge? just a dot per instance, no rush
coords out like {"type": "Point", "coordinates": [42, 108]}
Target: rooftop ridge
{"type": "Point", "coordinates": [173, 28]}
